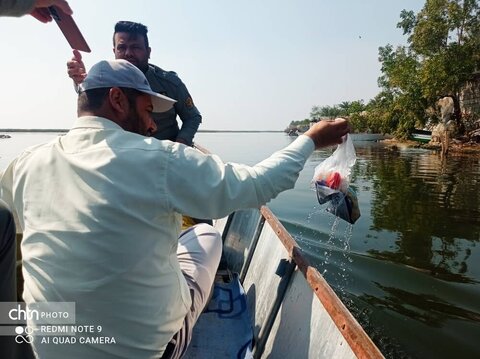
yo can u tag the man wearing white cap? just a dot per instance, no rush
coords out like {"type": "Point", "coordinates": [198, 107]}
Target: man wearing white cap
{"type": "Point", "coordinates": [99, 208]}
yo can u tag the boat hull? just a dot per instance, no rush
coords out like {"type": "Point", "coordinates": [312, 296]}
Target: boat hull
{"type": "Point", "coordinates": [421, 136]}
{"type": "Point", "coordinates": [293, 312]}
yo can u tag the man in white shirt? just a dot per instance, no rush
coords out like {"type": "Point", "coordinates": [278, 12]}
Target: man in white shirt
{"type": "Point", "coordinates": [99, 208]}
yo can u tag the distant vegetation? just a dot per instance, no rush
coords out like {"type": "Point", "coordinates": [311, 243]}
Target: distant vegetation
{"type": "Point", "coordinates": [301, 126]}
{"type": "Point", "coordinates": [354, 110]}
{"type": "Point", "coordinates": [442, 54]}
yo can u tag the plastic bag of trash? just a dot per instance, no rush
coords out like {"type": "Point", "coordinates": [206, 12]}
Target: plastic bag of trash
{"type": "Point", "coordinates": [332, 182]}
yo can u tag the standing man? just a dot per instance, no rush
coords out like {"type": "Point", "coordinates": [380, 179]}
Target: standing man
{"type": "Point", "coordinates": [101, 231]}
{"type": "Point", "coordinates": [130, 42]}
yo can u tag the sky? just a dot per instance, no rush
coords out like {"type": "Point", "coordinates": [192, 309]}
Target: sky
{"type": "Point", "coordinates": [249, 65]}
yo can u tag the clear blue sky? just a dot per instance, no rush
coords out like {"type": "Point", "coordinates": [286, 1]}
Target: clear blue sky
{"type": "Point", "coordinates": [248, 64]}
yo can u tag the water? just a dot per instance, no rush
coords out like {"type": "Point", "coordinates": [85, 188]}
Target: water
{"type": "Point", "coordinates": [409, 269]}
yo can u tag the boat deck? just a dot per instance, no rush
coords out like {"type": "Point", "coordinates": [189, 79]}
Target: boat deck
{"type": "Point", "coordinates": [223, 330]}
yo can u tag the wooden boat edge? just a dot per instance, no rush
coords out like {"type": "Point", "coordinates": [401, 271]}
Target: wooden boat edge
{"type": "Point", "coordinates": [355, 336]}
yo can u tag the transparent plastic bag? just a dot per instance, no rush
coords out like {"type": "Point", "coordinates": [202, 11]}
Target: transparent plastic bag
{"type": "Point", "coordinates": [332, 182]}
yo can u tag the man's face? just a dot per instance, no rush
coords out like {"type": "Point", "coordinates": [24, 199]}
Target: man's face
{"type": "Point", "coordinates": [132, 48]}
{"type": "Point", "coordinates": [140, 119]}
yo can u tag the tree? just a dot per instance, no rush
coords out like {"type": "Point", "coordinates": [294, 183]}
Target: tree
{"type": "Point", "coordinates": [401, 85]}
{"type": "Point", "coordinates": [325, 111]}
{"type": "Point", "coordinates": [443, 53]}
{"type": "Point", "coordinates": [345, 107]}
{"type": "Point", "coordinates": [353, 110]}
{"type": "Point", "coordinates": [315, 113]}
{"type": "Point", "coordinates": [301, 125]}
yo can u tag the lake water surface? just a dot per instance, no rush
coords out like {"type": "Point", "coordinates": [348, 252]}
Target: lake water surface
{"type": "Point", "coordinates": [409, 269]}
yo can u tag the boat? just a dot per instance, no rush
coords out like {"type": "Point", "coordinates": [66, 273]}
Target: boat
{"type": "Point", "coordinates": [269, 302]}
{"type": "Point", "coordinates": [423, 136]}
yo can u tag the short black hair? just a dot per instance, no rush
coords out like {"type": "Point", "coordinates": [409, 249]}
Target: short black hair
{"type": "Point", "coordinates": [132, 28]}
{"type": "Point", "coordinates": [91, 100]}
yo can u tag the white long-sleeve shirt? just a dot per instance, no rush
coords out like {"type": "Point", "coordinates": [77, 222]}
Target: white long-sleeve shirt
{"type": "Point", "coordinates": [99, 208]}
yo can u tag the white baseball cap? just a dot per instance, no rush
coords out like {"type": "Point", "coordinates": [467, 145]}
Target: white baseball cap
{"type": "Point", "coordinates": [121, 73]}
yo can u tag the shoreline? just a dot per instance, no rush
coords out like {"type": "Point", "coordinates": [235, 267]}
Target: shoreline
{"type": "Point", "coordinates": [456, 147]}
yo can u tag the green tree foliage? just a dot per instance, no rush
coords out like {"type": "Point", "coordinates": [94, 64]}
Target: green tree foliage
{"type": "Point", "coordinates": [301, 125]}
{"type": "Point", "coordinates": [354, 110]}
{"type": "Point", "coordinates": [343, 109]}
{"type": "Point", "coordinates": [318, 112]}
{"type": "Point", "coordinates": [442, 54]}
{"type": "Point", "coordinates": [401, 105]}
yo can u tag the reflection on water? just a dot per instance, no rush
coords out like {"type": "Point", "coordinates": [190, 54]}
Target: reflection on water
{"type": "Point", "coordinates": [433, 207]}
{"type": "Point", "coordinates": [409, 269]}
